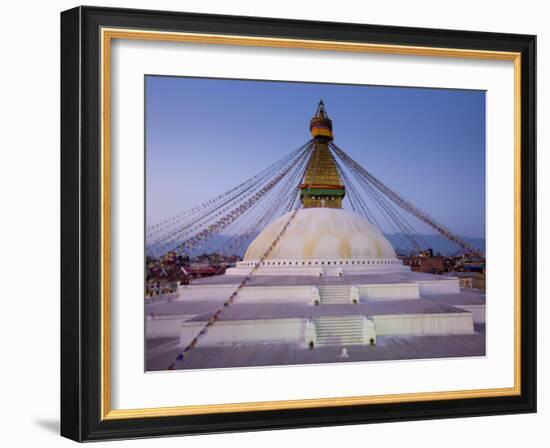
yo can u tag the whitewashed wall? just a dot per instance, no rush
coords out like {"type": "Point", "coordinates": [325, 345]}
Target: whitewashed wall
{"type": "Point", "coordinates": [424, 324]}
{"type": "Point", "coordinates": [246, 331]}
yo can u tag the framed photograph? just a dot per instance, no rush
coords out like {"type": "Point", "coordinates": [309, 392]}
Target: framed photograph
{"type": "Point", "coordinates": [273, 223]}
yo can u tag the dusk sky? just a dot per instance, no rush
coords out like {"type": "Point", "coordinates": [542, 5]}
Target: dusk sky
{"type": "Point", "coordinates": [205, 136]}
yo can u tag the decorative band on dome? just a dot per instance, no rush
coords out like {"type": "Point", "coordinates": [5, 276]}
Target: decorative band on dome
{"type": "Point", "coordinates": [313, 191]}
{"type": "Point", "coordinates": [325, 262]}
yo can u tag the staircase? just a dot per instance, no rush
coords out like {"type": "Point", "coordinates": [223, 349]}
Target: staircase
{"type": "Point", "coordinates": [339, 330]}
{"type": "Point", "coordinates": [331, 294]}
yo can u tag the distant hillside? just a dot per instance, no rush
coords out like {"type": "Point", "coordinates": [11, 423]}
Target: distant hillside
{"type": "Point", "coordinates": [438, 243]}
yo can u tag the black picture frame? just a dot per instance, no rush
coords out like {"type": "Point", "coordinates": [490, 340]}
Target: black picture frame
{"type": "Point", "coordinates": [81, 224]}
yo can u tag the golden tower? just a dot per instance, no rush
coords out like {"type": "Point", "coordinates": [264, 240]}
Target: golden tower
{"type": "Point", "coordinates": [322, 185]}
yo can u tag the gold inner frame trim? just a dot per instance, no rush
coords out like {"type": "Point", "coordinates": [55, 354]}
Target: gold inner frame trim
{"type": "Point", "coordinates": [107, 35]}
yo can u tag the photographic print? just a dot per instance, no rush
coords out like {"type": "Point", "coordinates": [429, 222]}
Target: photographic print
{"type": "Point", "coordinates": [308, 223]}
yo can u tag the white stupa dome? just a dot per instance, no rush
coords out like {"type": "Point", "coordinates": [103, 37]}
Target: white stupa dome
{"type": "Point", "coordinates": [321, 233]}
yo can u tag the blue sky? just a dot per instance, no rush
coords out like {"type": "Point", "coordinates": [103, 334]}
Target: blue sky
{"type": "Point", "coordinates": [204, 136]}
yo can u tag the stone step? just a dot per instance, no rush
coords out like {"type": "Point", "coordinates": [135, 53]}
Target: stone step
{"type": "Point", "coordinates": [338, 326]}
{"type": "Point", "coordinates": [351, 335]}
{"type": "Point", "coordinates": [340, 322]}
{"type": "Point", "coordinates": [321, 337]}
{"type": "Point", "coordinates": [339, 330]}
{"type": "Point", "coordinates": [335, 294]}
{"type": "Point", "coordinates": [325, 331]}
{"type": "Point", "coordinates": [331, 332]}
{"type": "Point", "coordinates": [334, 332]}
{"type": "Point", "coordinates": [338, 341]}
{"type": "Point", "coordinates": [358, 333]}
{"type": "Point", "coordinates": [339, 338]}
{"type": "Point", "coordinates": [335, 318]}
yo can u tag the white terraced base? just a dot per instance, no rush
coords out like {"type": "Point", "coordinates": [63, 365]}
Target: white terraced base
{"type": "Point", "coordinates": [339, 330]}
{"type": "Point", "coordinates": [335, 294]}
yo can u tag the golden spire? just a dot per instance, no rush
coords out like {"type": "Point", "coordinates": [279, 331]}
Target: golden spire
{"type": "Point", "coordinates": [322, 185]}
